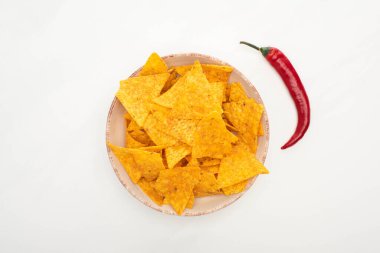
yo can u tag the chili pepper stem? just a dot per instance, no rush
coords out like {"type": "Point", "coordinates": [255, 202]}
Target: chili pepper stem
{"type": "Point", "coordinates": [250, 45]}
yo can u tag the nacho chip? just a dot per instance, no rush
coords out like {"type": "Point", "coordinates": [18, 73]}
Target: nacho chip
{"type": "Point", "coordinates": [207, 183]}
{"type": "Point", "coordinates": [240, 165]}
{"type": "Point", "coordinates": [132, 126]}
{"type": "Point", "coordinates": [199, 98]}
{"type": "Point", "coordinates": [127, 117]}
{"type": "Point", "coordinates": [174, 154]}
{"type": "Point", "coordinates": [154, 65]}
{"type": "Point", "coordinates": [153, 128]}
{"type": "Point", "coordinates": [130, 142]}
{"type": "Point", "coordinates": [169, 98]}
{"type": "Point", "coordinates": [126, 159]}
{"type": "Point", "coordinates": [192, 96]}
{"type": "Point", "coordinates": [208, 161]}
{"type": "Point", "coordinates": [183, 129]}
{"type": "Point", "coordinates": [148, 188]}
{"type": "Point", "coordinates": [176, 185]}
{"type": "Point", "coordinates": [193, 162]}
{"type": "Point", "coordinates": [157, 149]}
{"type": "Point", "coordinates": [173, 78]}
{"type": "Point", "coordinates": [190, 203]}
{"type": "Point", "coordinates": [214, 73]}
{"type": "Point", "coordinates": [149, 163]}
{"type": "Point", "coordinates": [180, 129]}
{"type": "Point", "coordinates": [141, 136]}
{"type": "Point", "coordinates": [136, 92]}
{"type": "Point", "coordinates": [236, 93]}
{"type": "Point", "coordinates": [236, 188]}
{"type": "Point", "coordinates": [245, 116]}
{"type": "Point", "coordinates": [212, 139]}
{"type": "Point", "coordinates": [211, 169]}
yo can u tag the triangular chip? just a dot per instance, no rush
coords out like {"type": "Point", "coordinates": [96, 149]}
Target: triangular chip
{"type": "Point", "coordinates": [207, 183]}
{"type": "Point", "coordinates": [147, 187]}
{"type": "Point", "coordinates": [240, 165]}
{"type": "Point", "coordinates": [169, 98]}
{"type": "Point", "coordinates": [153, 127]}
{"type": "Point", "coordinates": [132, 126]}
{"type": "Point", "coordinates": [183, 129]}
{"type": "Point", "coordinates": [149, 163]}
{"type": "Point", "coordinates": [198, 97]}
{"type": "Point", "coordinates": [212, 139]}
{"type": "Point", "coordinates": [245, 116]}
{"type": "Point", "coordinates": [141, 136]}
{"type": "Point", "coordinates": [192, 161]}
{"type": "Point", "coordinates": [157, 149]}
{"type": "Point", "coordinates": [136, 93]}
{"type": "Point", "coordinates": [190, 203]}
{"type": "Point", "coordinates": [190, 84]}
{"type": "Point", "coordinates": [236, 188]}
{"type": "Point", "coordinates": [208, 161]}
{"type": "Point", "coordinates": [173, 78]}
{"type": "Point", "coordinates": [214, 73]}
{"type": "Point", "coordinates": [236, 93]}
{"type": "Point", "coordinates": [127, 117]}
{"type": "Point", "coordinates": [154, 65]}
{"type": "Point", "coordinates": [176, 185]}
{"type": "Point", "coordinates": [130, 142]}
{"type": "Point", "coordinates": [126, 159]}
{"type": "Point", "coordinates": [212, 169]}
{"type": "Point", "coordinates": [174, 154]}
{"type": "Point", "coordinates": [180, 129]}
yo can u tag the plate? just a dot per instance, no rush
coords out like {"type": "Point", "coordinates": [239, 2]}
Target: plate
{"type": "Point", "coordinates": [115, 133]}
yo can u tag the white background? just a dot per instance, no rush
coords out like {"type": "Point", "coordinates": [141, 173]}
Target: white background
{"type": "Point", "coordinates": [60, 64]}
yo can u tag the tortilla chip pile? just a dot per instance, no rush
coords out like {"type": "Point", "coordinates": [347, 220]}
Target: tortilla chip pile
{"type": "Point", "coordinates": [189, 133]}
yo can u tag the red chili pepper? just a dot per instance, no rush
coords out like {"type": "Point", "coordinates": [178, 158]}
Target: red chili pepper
{"type": "Point", "coordinates": [292, 81]}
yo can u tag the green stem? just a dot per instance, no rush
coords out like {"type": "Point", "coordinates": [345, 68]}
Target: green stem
{"type": "Point", "coordinates": [250, 45]}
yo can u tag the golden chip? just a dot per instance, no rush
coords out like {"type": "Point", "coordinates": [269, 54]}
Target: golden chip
{"type": "Point", "coordinates": [127, 117]}
{"type": "Point", "coordinates": [236, 188]}
{"type": "Point", "coordinates": [149, 163]}
{"type": "Point", "coordinates": [212, 169]}
{"type": "Point", "coordinates": [192, 96]}
{"type": "Point", "coordinates": [208, 161]}
{"type": "Point", "coordinates": [153, 129]}
{"type": "Point", "coordinates": [154, 65]}
{"type": "Point", "coordinates": [190, 203]}
{"type": "Point", "coordinates": [176, 185]}
{"type": "Point", "coordinates": [148, 188]}
{"type": "Point", "coordinates": [207, 183]}
{"type": "Point", "coordinates": [245, 116]}
{"type": "Point", "coordinates": [214, 73]}
{"type": "Point", "coordinates": [132, 126]}
{"type": "Point", "coordinates": [174, 154]}
{"type": "Point", "coordinates": [136, 93]}
{"type": "Point", "coordinates": [130, 142]}
{"type": "Point", "coordinates": [212, 139]}
{"type": "Point", "coordinates": [157, 149]}
{"type": "Point", "coordinates": [192, 161]}
{"type": "Point", "coordinates": [126, 159]}
{"type": "Point", "coordinates": [141, 136]}
{"type": "Point", "coordinates": [236, 93]}
{"type": "Point", "coordinates": [240, 165]}
{"type": "Point", "coordinates": [180, 129]}
{"type": "Point", "coordinates": [173, 78]}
